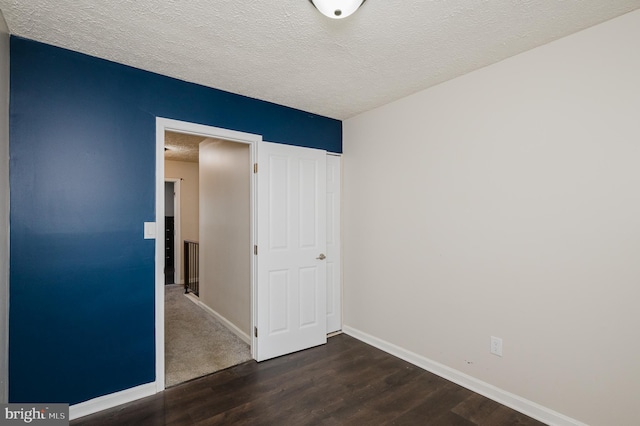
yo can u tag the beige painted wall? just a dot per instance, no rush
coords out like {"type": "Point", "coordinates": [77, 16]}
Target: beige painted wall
{"type": "Point", "coordinates": [506, 202]}
{"type": "Point", "coordinates": [189, 201]}
{"type": "Point", "coordinates": [225, 255]}
{"type": "Point", "coordinates": [4, 208]}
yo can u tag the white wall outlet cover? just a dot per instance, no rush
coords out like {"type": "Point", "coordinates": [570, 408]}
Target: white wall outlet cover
{"type": "Point", "coordinates": [496, 345]}
{"type": "Point", "coordinates": [149, 230]}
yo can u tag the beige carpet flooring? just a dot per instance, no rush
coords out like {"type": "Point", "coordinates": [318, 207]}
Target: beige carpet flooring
{"type": "Point", "coordinates": [196, 343]}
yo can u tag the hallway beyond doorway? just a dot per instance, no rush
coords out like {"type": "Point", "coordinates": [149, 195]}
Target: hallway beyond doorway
{"type": "Point", "coordinates": [197, 344]}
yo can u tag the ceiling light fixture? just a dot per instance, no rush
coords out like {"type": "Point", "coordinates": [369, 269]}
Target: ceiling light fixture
{"type": "Point", "coordinates": [337, 9]}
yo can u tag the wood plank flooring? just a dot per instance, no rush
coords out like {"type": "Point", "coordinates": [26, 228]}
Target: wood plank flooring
{"type": "Point", "coordinates": [345, 382]}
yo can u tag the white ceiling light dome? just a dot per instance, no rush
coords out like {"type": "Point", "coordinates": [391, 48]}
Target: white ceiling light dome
{"type": "Point", "coordinates": [337, 9]}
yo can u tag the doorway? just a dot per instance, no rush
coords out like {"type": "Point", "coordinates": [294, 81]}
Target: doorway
{"type": "Point", "coordinates": [291, 243]}
{"type": "Point", "coordinates": [202, 132]}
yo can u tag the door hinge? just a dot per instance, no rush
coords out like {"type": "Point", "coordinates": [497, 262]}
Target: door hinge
{"type": "Point", "coordinates": [255, 250]}
{"type": "Point", "coordinates": [255, 331]}
{"type": "Point", "coordinates": [255, 168]}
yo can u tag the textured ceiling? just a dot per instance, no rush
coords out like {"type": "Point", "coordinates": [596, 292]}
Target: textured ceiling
{"type": "Point", "coordinates": [182, 147]}
{"type": "Point", "coordinates": [284, 51]}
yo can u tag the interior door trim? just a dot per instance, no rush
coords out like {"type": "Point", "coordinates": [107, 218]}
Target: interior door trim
{"type": "Point", "coordinates": [163, 125]}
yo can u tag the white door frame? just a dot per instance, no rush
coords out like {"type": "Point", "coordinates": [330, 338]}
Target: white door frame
{"type": "Point", "coordinates": [162, 125]}
{"type": "Point", "coordinates": [177, 236]}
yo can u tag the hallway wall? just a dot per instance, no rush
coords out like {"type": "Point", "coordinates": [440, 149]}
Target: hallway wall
{"type": "Point", "coordinates": [225, 238]}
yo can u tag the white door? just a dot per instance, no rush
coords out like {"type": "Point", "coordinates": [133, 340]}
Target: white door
{"type": "Point", "coordinates": [291, 265]}
{"type": "Point", "coordinates": [334, 268]}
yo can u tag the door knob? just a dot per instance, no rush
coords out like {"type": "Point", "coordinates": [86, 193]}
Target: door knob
{"type": "Point", "coordinates": [321, 257]}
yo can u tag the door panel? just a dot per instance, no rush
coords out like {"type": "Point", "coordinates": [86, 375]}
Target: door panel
{"type": "Point", "coordinates": [278, 295]}
{"type": "Point", "coordinates": [308, 297]}
{"type": "Point", "coordinates": [291, 289]}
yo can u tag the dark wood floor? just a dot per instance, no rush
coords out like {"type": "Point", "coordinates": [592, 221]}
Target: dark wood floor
{"type": "Point", "coordinates": [345, 382]}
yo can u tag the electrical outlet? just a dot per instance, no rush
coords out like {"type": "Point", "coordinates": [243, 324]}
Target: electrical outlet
{"type": "Point", "coordinates": [496, 346]}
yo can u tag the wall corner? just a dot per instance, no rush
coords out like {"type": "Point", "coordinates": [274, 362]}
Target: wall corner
{"type": "Point", "coordinates": [4, 210]}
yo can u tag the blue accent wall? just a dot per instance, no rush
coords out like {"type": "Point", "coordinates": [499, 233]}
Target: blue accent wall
{"type": "Point", "coordinates": [82, 170]}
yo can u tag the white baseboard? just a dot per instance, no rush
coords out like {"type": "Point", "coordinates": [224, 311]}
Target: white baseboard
{"type": "Point", "coordinates": [513, 401]}
{"type": "Point", "coordinates": [112, 400]}
{"type": "Point", "coordinates": [231, 326]}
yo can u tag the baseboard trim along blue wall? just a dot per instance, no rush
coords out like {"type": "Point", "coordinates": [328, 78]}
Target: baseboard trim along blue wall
{"type": "Point", "coordinates": [82, 170]}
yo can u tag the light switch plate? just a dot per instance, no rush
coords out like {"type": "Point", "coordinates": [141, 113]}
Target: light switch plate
{"type": "Point", "coordinates": [149, 230]}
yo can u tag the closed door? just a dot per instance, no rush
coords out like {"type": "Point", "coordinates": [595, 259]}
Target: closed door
{"type": "Point", "coordinates": [291, 250]}
{"type": "Point", "coordinates": [334, 267]}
